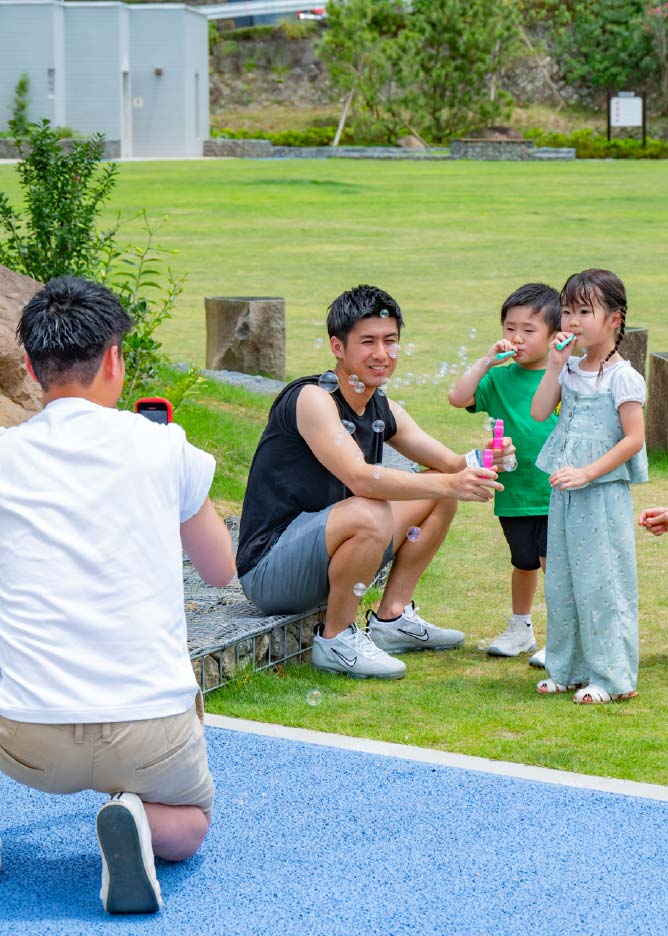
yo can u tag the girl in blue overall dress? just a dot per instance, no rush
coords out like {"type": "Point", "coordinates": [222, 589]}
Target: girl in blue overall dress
{"type": "Point", "coordinates": [595, 452]}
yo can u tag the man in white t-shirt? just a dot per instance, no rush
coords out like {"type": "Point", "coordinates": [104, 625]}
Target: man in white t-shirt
{"type": "Point", "coordinates": [96, 687]}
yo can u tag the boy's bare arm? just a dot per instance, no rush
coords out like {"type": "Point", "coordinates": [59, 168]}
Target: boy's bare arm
{"type": "Point", "coordinates": [463, 393]}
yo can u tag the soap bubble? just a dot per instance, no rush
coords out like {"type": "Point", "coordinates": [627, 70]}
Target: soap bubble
{"type": "Point", "coordinates": [328, 381]}
{"type": "Point", "coordinates": [377, 472]}
{"type": "Point", "coordinates": [473, 334]}
{"type": "Point", "coordinates": [413, 534]}
{"type": "Point", "coordinates": [378, 425]}
{"type": "Point", "coordinates": [384, 313]}
{"type": "Point", "coordinates": [462, 351]}
{"type": "Point", "coordinates": [410, 348]}
{"type": "Point", "coordinates": [317, 343]}
{"type": "Point", "coordinates": [359, 589]}
{"type": "Point", "coordinates": [488, 424]}
{"type": "Point", "coordinates": [509, 463]}
{"type": "Point", "coordinates": [401, 402]}
{"type": "Point", "coordinates": [353, 379]}
{"type": "Point", "coordinates": [380, 391]}
{"type": "Point", "coordinates": [443, 369]}
{"type": "Point", "coordinates": [393, 351]}
{"type": "Point", "coordinates": [484, 644]}
{"type": "Point", "coordinates": [359, 387]}
{"type": "Point", "coordinates": [348, 426]}
{"type": "Point", "coordinates": [338, 438]}
{"type": "Point", "coordinates": [314, 697]}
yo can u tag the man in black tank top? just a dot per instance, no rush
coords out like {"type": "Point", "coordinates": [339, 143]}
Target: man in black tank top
{"type": "Point", "coordinates": [321, 514]}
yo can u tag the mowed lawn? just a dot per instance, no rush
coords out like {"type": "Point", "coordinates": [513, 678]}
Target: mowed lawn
{"type": "Point", "coordinates": [449, 241]}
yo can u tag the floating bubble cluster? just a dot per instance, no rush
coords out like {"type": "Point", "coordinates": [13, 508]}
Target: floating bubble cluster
{"type": "Point", "coordinates": [414, 534]}
{"type": "Point", "coordinates": [378, 425]}
{"type": "Point", "coordinates": [313, 697]}
{"type": "Point", "coordinates": [359, 588]}
{"type": "Point", "coordinates": [329, 381]}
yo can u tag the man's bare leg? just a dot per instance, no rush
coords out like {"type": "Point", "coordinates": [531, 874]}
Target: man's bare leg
{"type": "Point", "coordinates": [357, 534]}
{"type": "Point", "coordinates": [412, 558]}
{"type": "Point", "coordinates": [176, 831]}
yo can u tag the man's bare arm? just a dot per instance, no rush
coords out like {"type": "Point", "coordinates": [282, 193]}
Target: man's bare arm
{"type": "Point", "coordinates": [208, 544]}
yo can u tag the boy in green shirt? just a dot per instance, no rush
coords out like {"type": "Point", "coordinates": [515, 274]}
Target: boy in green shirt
{"type": "Point", "coordinates": [530, 317]}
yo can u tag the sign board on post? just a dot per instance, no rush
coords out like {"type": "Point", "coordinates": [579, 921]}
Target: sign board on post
{"type": "Point", "coordinates": [627, 109]}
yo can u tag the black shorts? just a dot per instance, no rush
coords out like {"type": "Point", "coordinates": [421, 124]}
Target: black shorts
{"type": "Point", "coordinates": [527, 538]}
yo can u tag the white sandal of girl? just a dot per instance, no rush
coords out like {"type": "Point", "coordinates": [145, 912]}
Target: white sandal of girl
{"type": "Point", "coordinates": [596, 695]}
{"type": "Point", "coordinates": [550, 687]}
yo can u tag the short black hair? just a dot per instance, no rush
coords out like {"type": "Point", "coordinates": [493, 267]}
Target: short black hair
{"type": "Point", "coordinates": [66, 328]}
{"type": "Point", "coordinates": [543, 300]}
{"type": "Point", "coordinates": [359, 303]}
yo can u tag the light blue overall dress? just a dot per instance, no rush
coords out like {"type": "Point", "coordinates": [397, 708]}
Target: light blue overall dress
{"type": "Point", "coordinates": [591, 586]}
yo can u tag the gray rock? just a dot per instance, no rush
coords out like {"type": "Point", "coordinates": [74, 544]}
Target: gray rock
{"type": "Point", "coordinates": [246, 334]}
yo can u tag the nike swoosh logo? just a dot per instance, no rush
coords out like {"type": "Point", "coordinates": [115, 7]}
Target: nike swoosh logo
{"type": "Point", "coordinates": [422, 636]}
{"type": "Point", "coordinates": [345, 659]}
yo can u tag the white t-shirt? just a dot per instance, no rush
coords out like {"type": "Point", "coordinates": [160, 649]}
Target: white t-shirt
{"type": "Point", "coordinates": [92, 622]}
{"type": "Point", "coordinates": [623, 380]}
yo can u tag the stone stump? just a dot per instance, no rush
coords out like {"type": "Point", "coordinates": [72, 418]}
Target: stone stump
{"type": "Point", "coordinates": [657, 401]}
{"type": "Point", "coordinates": [634, 349]}
{"type": "Point", "coordinates": [246, 334]}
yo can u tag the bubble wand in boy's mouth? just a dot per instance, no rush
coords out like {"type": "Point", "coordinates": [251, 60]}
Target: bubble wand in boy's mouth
{"type": "Point", "coordinates": [562, 344]}
{"type": "Point", "coordinates": [502, 355]}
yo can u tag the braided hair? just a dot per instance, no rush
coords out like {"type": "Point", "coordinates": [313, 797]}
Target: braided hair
{"type": "Point", "coordinates": [603, 287]}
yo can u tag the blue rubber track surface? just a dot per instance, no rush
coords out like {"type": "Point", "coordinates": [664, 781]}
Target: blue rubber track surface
{"type": "Point", "coordinates": [317, 841]}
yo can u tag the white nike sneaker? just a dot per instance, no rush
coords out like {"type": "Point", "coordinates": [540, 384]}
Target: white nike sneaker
{"type": "Point", "coordinates": [517, 638]}
{"type": "Point", "coordinates": [353, 653]}
{"type": "Point", "coordinates": [411, 632]}
{"type": "Point", "coordinates": [538, 659]}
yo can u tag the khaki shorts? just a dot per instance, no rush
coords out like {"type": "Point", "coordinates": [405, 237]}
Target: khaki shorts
{"type": "Point", "coordinates": [162, 760]}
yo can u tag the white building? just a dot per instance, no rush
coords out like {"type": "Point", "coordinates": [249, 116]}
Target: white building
{"type": "Point", "coordinates": [139, 74]}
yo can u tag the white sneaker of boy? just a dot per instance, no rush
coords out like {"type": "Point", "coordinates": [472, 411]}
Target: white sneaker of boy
{"type": "Point", "coordinates": [517, 638]}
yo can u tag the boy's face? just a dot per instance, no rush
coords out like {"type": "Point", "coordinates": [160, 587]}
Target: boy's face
{"type": "Point", "coordinates": [529, 333]}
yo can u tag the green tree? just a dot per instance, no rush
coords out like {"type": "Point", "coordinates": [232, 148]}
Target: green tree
{"type": "Point", "coordinates": [603, 44]}
{"type": "Point", "coordinates": [456, 51]}
{"type": "Point", "coordinates": [655, 17]}
{"type": "Point", "coordinates": [361, 54]}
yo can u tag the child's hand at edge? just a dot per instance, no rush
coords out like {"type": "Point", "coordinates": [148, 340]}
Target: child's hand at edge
{"type": "Point", "coordinates": [654, 519]}
{"type": "Point", "coordinates": [499, 347]}
{"type": "Point", "coordinates": [558, 356]}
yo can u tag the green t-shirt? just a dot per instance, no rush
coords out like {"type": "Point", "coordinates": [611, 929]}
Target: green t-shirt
{"type": "Point", "coordinates": [506, 393]}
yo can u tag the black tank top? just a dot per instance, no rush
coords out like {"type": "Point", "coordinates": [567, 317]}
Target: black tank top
{"type": "Point", "coordinates": [286, 478]}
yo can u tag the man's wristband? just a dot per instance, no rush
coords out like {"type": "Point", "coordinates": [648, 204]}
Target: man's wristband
{"type": "Point", "coordinates": [473, 459]}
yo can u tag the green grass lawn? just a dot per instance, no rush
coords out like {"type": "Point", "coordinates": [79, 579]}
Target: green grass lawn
{"type": "Point", "coordinates": [450, 241]}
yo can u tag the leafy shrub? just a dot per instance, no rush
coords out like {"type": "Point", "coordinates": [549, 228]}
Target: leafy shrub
{"type": "Point", "coordinates": [589, 145]}
{"type": "Point", "coordinates": [56, 234]}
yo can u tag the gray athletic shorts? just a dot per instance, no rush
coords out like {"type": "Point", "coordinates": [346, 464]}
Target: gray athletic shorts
{"type": "Point", "coordinates": [293, 576]}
